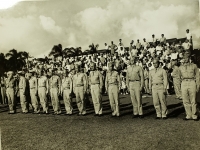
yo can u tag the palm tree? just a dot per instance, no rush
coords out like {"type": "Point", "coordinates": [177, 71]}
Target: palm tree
{"type": "Point", "coordinates": [67, 52]}
{"type": "Point", "coordinates": [93, 48]}
{"type": "Point", "coordinates": [16, 61]}
{"type": "Point", "coordinates": [56, 51]}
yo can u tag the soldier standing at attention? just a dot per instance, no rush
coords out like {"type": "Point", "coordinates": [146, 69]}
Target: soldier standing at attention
{"type": "Point", "coordinates": [113, 85]}
{"type": "Point", "coordinates": [176, 79]}
{"type": "Point", "coordinates": [96, 85]}
{"type": "Point", "coordinates": [11, 86]}
{"type": "Point", "coordinates": [80, 88]}
{"type": "Point", "coordinates": [66, 90]}
{"type": "Point", "coordinates": [33, 85]}
{"type": "Point", "coordinates": [135, 84]}
{"type": "Point", "coordinates": [22, 92]}
{"type": "Point", "coordinates": [43, 87]}
{"type": "Point", "coordinates": [55, 91]}
{"type": "Point", "coordinates": [158, 88]}
{"type": "Point", "coordinates": [189, 74]}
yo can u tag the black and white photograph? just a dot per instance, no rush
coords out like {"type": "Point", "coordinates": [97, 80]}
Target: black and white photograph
{"type": "Point", "coordinates": [99, 75]}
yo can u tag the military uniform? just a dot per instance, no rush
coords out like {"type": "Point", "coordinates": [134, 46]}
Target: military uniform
{"type": "Point", "coordinates": [42, 92]}
{"type": "Point", "coordinates": [54, 85]}
{"type": "Point", "coordinates": [96, 84]}
{"type": "Point", "coordinates": [3, 90]}
{"type": "Point", "coordinates": [80, 88]}
{"type": "Point", "coordinates": [176, 81]}
{"type": "Point", "coordinates": [10, 93]}
{"type": "Point", "coordinates": [113, 85]}
{"type": "Point", "coordinates": [67, 90]}
{"type": "Point", "coordinates": [135, 83]}
{"type": "Point", "coordinates": [158, 83]}
{"type": "Point", "coordinates": [22, 93]}
{"type": "Point", "coordinates": [33, 85]}
{"type": "Point", "coordinates": [189, 74]}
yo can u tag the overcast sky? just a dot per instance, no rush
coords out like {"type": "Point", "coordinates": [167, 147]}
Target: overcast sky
{"type": "Point", "coordinates": [37, 26]}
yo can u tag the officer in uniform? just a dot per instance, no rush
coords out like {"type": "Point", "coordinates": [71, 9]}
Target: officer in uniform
{"type": "Point", "coordinates": [113, 84]}
{"type": "Point", "coordinates": [80, 88]}
{"type": "Point", "coordinates": [158, 87]}
{"type": "Point", "coordinates": [189, 75]}
{"type": "Point", "coordinates": [96, 85]}
{"type": "Point", "coordinates": [66, 90]}
{"type": "Point", "coordinates": [176, 79]}
{"type": "Point", "coordinates": [11, 87]}
{"type": "Point", "coordinates": [55, 91]}
{"type": "Point", "coordinates": [135, 84]}
{"type": "Point", "coordinates": [22, 92]}
{"type": "Point", "coordinates": [43, 87]}
{"type": "Point", "coordinates": [33, 85]}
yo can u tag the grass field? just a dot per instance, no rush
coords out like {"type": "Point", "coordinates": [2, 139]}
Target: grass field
{"type": "Point", "coordinates": [41, 132]}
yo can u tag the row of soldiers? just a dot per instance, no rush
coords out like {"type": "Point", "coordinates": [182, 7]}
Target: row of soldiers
{"type": "Point", "coordinates": [79, 83]}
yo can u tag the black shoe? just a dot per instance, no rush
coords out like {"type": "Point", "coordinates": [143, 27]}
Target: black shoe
{"type": "Point", "coordinates": [100, 115]}
{"type": "Point", "coordinates": [135, 116]}
{"type": "Point", "coordinates": [95, 115]}
{"type": "Point", "coordinates": [186, 119]}
{"type": "Point", "coordinates": [157, 118]}
{"type": "Point", "coordinates": [141, 116]}
{"type": "Point", "coordinates": [164, 118]}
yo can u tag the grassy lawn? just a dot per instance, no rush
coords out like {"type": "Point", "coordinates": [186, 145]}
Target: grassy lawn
{"type": "Point", "coordinates": [41, 132]}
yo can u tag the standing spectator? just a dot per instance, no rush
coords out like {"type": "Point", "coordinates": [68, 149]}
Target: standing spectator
{"type": "Point", "coordinates": [188, 36]}
{"type": "Point", "coordinates": [3, 90]}
{"type": "Point", "coordinates": [163, 39]}
{"type": "Point", "coordinates": [113, 48]}
{"type": "Point", "coordinates": [138, 45]}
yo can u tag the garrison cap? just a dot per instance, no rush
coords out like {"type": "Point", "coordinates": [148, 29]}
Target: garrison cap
{"type": "Point", "coordinates": [21, 72]}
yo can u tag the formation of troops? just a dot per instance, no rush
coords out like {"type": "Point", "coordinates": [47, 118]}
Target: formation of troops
{"type": "Point", "coordinates": [37, 87]}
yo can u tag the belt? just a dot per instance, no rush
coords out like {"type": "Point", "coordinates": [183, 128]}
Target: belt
{"type": "Point", "coordinates": [32, 88]}
{"type": "Point", "coordinates": [157, 83]}
{"type": "Point", "coordinates": [133, 80]}
{"type": "Point", "coordinates": [113, 84]}
{"type": "Point", "coordinates": [41, 86]}
{"type": "Point", "coordinates": [10, 88]}
{"type": "Point", "coordinates": [78, 85]}
{"type": "Point", "coordinates": [188, 79]}
{"type": "Point", "coordinates": [94, 83]}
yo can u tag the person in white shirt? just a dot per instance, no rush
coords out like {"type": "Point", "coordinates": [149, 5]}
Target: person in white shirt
{"type": "Point", "coordinates": [145, 43]}
{"type": "Point", "coordinates": [186, 45]}
{"type": "Point", "coordinates": [163, 39]}
{"type": "Point", "coordinates": [188, 35]}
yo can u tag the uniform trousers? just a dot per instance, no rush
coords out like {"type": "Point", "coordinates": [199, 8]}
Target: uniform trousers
{"type": "Point", "coordinates": [67, 101]}
{"type": "Point", "coordinates": [136, 97]}
{"type": "Point", "coordinates": [23, 100]}
{"type": "Point", "coordinates": [43, 98]}
{"type": "Point", "coordinates": [159, 100]}
{"type": "Point", "coordinates": [34, 100]}
{"type": "Point", "coordinates": [113, 94]}
{"type": "Point", "coordinates": [55, 100]}
{"type": "Point", "coordinates": [188, 90]}
{"type": "Point", "coordinates": [79, 92]}
{"type": "Point", "coordinates": [11, 99]}
{"type": "Point", "coordinates": [96, 98]}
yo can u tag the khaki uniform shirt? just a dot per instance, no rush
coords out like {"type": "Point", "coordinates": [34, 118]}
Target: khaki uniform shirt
{"type": "Point", "coordinates": [43, 82]}
{"type": "Point", "coordinates": [79, 79]}
{"type": "Point", "coordinates": [158, 76]}
{"type": "Point", "coordinates": [33, 83]}
{"type": "Point", "coordinates": [67, 83]}
{"type": "Point", "coordinates": [189, 71]}
{"type": "Point", "coordinates": [95, 77]}
{"type": "Point", "coordinates": [54, 82]}
{"type": "Point", "coordinates": [134, 73]}
{"type": "Point", "coordinates": [112, 77]}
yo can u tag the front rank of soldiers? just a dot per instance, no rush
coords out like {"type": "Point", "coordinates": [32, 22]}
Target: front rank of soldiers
{"type": "Point", "coordinates": [43, 89]}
